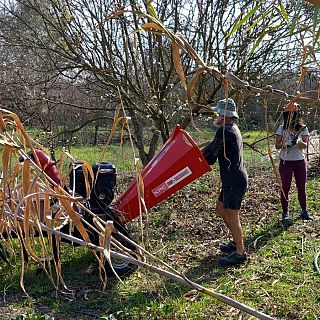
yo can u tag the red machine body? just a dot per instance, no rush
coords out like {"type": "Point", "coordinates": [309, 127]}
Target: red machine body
{"type": "Point", "coordinates": [48, 166]}
{"type": "Point", "coordinates": [179, 162]}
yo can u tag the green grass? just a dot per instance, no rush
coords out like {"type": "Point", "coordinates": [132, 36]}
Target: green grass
{"type": "Point", "coordinates": [121, 157]}
{"type": "Point", "coordinates": [279, 278]}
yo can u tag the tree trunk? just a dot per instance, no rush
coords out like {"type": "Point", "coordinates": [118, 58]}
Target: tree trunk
{"type": "Point", "coordinates": [95, 138]}
{"type": "Point", "coordinates": [153, 144]}
{"type": "Point", "coordinates": [138, 132]}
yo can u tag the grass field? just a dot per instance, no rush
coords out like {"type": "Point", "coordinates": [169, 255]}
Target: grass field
{"type": "Point", "coordinates": [279, 278]}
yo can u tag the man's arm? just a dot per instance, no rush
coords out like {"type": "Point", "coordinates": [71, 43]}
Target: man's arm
{"type": "Point", "coordinates": [212, 150]}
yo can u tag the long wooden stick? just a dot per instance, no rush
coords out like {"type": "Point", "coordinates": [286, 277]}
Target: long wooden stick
{"type": "Point", "coordinates": [167, 274]}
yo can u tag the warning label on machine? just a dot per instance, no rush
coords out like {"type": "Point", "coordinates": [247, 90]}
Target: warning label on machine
{"type": "Point", "coordinates": [172, 181]}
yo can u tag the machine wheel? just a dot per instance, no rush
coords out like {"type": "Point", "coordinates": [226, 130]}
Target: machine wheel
{"type": "Point", "coordinates": [120, 266]}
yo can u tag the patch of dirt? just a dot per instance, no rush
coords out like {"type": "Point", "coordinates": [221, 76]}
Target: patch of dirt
{"type": "Point", "coordinates": [189, 218]}
{"type": "Point", "coordinates": [8, 310]}
{"type": "Point", "coordinates": [314, 167]}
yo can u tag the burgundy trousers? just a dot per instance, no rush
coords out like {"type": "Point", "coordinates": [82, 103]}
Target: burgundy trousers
{"type": "Point", "coordinates": [298, 169]}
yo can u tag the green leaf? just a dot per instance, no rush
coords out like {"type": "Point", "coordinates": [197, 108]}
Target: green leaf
{"type": "Point", "coordinates": [317, 36]}
{"type": "Point", "coordinates": [283, 11]}
{"type": "Point", "coordinates": [272, 29]}
{"type": "Point", "coordinates": [152, 10]}
{"type": "Point", "coordinates": [295, 18]}
{"type": "Point", "coordinates": [243, 20]}
{"type": "Point", "coordinates": [315, 18]}
{"type": "Point", "coordinates": [259, 19]}
{"type": "Point", "coordinates": [258, 42]}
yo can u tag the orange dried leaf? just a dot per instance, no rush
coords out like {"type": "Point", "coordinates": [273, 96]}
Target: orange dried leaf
{"type": "Point", "coordinates": [109, 228]}
{"type": "Point", "coordinates": [152, 26]}
{"type": "Point", "coordinates": [73, 215]}
{"type": "Point", "coordinates": [26, 176]}
{"type": "Point", "coordinates": [193, 81]}
{"type": "Point", "coordinates": [116, 14]}
{"type": "Point", "coordinates": [178, 65]}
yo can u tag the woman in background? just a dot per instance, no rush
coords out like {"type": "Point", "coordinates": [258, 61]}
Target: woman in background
{"type": "Point", "coordinates": [292, 138]}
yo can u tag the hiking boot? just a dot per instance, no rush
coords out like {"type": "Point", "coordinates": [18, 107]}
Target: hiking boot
{"type": "Point", "coordinates": [285, 216]}
{"type": "Point", "coordinates": [233, 259]}
{"type": "Point", "coordinates": [228, 247]}
{"type": "Point", "coordinates": [305, 215]}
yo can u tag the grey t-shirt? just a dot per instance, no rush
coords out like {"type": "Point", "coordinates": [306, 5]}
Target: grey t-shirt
{"type": "Point", "coordinates": [291, 153]}
{"type": "Point", "coordinates": [227, 147]}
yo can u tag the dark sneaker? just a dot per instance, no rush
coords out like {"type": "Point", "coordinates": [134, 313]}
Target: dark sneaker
{"type": "Point", "coordinates": [228, 247]}
{"type": "Point", "coordinates": [233, 259]}
{"type": "Point", "coordinates": [305, 215]}
{"type": "Point", "coordinates": [285, 216]}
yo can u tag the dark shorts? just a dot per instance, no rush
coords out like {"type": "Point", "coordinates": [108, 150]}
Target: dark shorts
{"type": "Point", "coordinates": [232, 196]}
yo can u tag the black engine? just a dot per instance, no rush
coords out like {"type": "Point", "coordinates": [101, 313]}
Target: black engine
{"type": "Point", "coordinates": [101, 188]}
{"type": "Point", "coordinates": [101, 194]}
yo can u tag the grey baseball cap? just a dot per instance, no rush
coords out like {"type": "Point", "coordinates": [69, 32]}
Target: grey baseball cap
{"type": "Point", "coordinates": [226, 107]}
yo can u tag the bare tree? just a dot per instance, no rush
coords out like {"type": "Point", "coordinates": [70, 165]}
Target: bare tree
{"type": "Point", "coordinates": [107, 47]}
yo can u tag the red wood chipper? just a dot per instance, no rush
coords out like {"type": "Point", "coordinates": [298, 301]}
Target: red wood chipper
{"type": "Point", "coordinates": [178, 163]}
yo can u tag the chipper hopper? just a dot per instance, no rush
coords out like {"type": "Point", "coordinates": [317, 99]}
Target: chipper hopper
{"type": "Point", "coordinates": [178, 163]}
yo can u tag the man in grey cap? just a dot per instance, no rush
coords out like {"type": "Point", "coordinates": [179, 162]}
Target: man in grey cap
{"type": "Point", "coordinates": [227, 148]}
